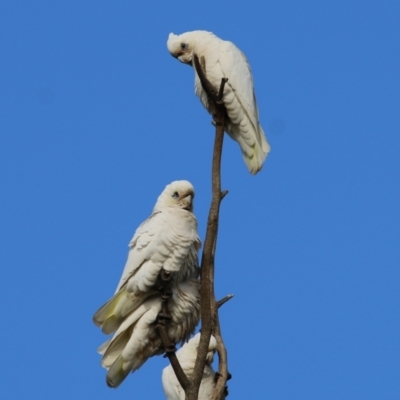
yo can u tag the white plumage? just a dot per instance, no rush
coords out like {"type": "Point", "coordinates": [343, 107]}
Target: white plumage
{"type": "Point", "coordinates": [167, 240]}
{"type": "Point", "coordinates": [224, 59]}
{"type": "Point", "coordinates": [187, 358]}
{"type": "Point", "coordinates": [137, 339]}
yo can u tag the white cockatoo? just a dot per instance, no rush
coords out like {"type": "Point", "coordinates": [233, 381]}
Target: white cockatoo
{"type": "Point", "coordinates": [167, 240]}
{"type": "Point", "coordinates": [187, 357]}
{"type": "Point", "coordinates": [224, 60]}
{"type": "Point", "coordinates": [137, 339]}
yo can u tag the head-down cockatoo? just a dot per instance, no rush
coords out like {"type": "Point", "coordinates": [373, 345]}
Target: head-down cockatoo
{"type": "Point", "coordinates": [224, 60]}
{"type": "Point", "coordinates": [167, 240]}
{"type": "Point", "coordinates": [187, 357]}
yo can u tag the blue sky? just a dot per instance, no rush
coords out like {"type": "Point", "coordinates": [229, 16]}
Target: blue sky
{"type": "Point", "coordinates": [96, 118]}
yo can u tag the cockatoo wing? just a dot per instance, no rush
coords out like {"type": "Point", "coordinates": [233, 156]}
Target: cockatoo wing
{"type": "Point", "coordinates": [240, 102]}
{"type": "Point", "coordinates": [114, 347]}
{"type": "Point", "coordinates": [140, 246]}
{"type": "Point", "coordinates": [164, 241]}
{"type": "Point", "coordinates": [110, 316]}
{"type": "Point", "coordinates": [136, 338]}
{"type": "Point", "coordinates": [236, 68]}
{"type": "Point", "coordinates": [132, 346]}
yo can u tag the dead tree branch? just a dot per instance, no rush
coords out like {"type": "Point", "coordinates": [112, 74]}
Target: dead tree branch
{"type": "Point", "coordinates": [209, 306]}
{"type": "Point", "coordinates": [224, 300]}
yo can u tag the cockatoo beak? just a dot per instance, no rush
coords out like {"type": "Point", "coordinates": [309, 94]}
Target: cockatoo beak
{"type": "Point", "coordinates": [186, 194]}
{"type": "Point", "coordinates": [179, 55]}
{"type": "Point", "coordinates": [187, 200]}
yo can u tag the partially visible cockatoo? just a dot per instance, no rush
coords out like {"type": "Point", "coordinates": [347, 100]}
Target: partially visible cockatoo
{"type": "Point", "coordinates": [167, 240]}
{"type": "Point", "coordinates": [137, 339]}
{"type": "Point", "coordinates": [224, 60]}
{"type": "Point", "coordinates": [187, 357]}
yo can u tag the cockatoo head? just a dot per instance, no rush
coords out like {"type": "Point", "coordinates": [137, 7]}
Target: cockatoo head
{"type": "Point", "coordinates": [178, 194]}
{"type": "Point", "coordinates": [182, 46]}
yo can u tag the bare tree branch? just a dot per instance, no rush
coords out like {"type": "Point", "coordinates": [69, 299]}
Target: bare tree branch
{"type": "Point", "coordinates": [209, 307]}
{"type": "Point", "coordinates": [223, 373]}
{"type": "Point", "coordinates": [182, 378]}
{"type": "Point", "coordinates": [224, 300]}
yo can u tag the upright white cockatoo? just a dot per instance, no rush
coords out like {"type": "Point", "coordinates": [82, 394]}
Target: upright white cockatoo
{"type": "Point", "coordinates": [168, 239]}
{"type": "Point", "coordinates": [224, 60]}
{"type": "Point", "coordinates": [137, 339]}
{"type": "Point", "coordinates": [187, 357]}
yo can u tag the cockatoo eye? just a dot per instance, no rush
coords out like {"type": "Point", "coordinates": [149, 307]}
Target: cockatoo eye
{"type": "Point", "coordinates": [175, 195]}
{"type": "Point", "coordinates": [184, 46]}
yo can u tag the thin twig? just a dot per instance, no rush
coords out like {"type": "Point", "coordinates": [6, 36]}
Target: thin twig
{"type": "Point", "coordinates": [224, 300]}
{"type": "Point", "coordinates": [200, 67]}
{"type": "Point", "coordinates": [173, 359]}
{"type": "Point", "coordinates": [221, 91]}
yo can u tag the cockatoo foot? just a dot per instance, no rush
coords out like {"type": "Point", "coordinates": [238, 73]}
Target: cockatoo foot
{"type": "Point", "coordinates": [226, 392]}
{"type": "Point", "coordinates": [170, 349]}
{"type": "Point", "coordinates": [165, 275]}
{"type": "Point", "coordinates": [217, 375]}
